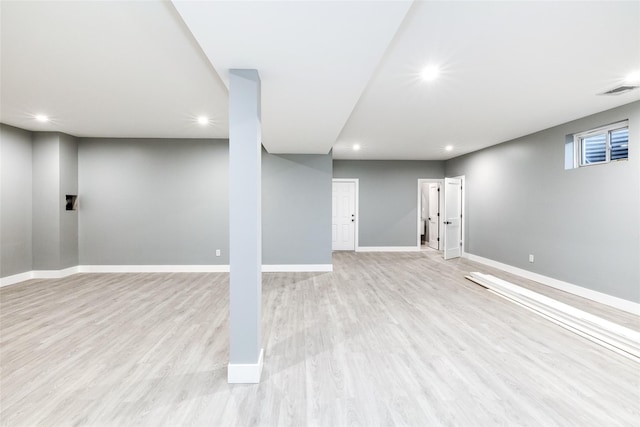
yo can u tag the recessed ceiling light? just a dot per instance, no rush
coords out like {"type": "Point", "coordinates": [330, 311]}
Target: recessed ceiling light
{"type": "Point", "coordinates": [202, 120]}
{"type": "Point", "coordinates": [42, 118]}
{"type": "Point", "coordinates": [449, 147]}
{"type": "Point", "coordinates": [356, 147]}
{"type": "Point", "coordinates": [430, 73]}
{"type": "Point", "coordinates": [633, 78]}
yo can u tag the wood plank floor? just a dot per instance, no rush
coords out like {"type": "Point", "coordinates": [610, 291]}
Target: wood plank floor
{"type": "Point", "coordinates": [386, 339]}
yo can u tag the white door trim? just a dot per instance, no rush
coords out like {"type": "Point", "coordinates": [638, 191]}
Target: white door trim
{"type": "Point", "coordinates": [356, 227]}
{"type": "Point", "coordinates": [441, 219]}
{"type": "Point", "coordinates": [463, 212]}
{"type": "Point", "coordinates": [452, 230]}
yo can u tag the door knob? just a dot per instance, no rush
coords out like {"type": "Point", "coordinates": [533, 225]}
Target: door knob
{"type": "Point", "coordinates": [447, 222]}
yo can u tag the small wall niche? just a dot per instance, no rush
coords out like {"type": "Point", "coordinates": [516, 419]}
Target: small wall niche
{"type": "Point", "coordinates": [71, 202]}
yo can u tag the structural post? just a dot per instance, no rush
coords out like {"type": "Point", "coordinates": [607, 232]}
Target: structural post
{"type": "Point", "coordinates": [245, 228]}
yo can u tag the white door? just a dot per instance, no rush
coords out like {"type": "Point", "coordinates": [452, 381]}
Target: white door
{"type": "Point", "coordinates": [434, 215]}
{"type": "Point", "coordinates": [452, 217]}
{"type": "Point", "coordinates": [343, 221]}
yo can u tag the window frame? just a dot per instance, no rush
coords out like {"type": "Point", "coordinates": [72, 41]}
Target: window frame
{"type": "Point", "coordinates": [578, 139]}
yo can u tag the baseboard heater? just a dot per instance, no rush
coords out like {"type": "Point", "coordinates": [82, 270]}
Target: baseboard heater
{"type": "Point", "coordinates": [615, 337]}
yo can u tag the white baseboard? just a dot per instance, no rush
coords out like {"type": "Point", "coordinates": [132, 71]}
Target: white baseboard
{"type": "Point", "coordinates": [387, 249]}
{"type": "Point", "coordinates": [295, 268]}
{"type": "Point", "coordinates": [602, 298]}
{"type": "Point", "coordinates": [37, 274]}
{"type": "Point", "coordinates": [16, 278]}
{"type": "Point", "coordinates": [223, 268]}
{"type": "Point", "coordinates": [245, 373]}
{"type": "Point", "coordinates": [54, 274]}
{"type": "Point", "coordinates": [267, 268]}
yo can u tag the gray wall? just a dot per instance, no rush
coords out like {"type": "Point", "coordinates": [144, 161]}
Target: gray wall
{"type": "Point", "coordinates": [165, 201]}
{"type": "Point", "coordinates": [388, 204]}
{"type": "Point", "coordinates": [153, 201]}
{"type": "Point", "coordinates": [68, 185]}
{"type": "Point", "coordinates": [582, 225]}
{"type": "Point", "coordinates": [16, 254]}
{"type": "Point", "coordinates": [55, 174]}
{"type": "Point", "coordinates": [143, 202]}
{"type": "Point", "coordinates": [46, 203]}
{"type": "Point", "coordinates": [296, 209]}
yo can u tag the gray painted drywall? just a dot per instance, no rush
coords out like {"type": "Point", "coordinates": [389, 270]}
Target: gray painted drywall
{"type": "Point", "coordinates": [16, 255]}
{"type": "Point", "coordinates": [68, 185]}
{"type": "Point", "coordinates": [296, 208]}
{"type": "Point", "coordinates": [245, 219]}
{"type": "Point", "coordinates": [153, 201]}
{"type": "Point", "coordinates": [388, 200]}
{"type": "Point", "coordinates": [46, 201]}
{"type": "Point", "coordinates": [165, 201]}
{"type": "Point", "coordinates": [581, 224]}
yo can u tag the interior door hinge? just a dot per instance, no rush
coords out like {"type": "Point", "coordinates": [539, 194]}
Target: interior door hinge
{"type": "Point", "coordinates": [438, 239]}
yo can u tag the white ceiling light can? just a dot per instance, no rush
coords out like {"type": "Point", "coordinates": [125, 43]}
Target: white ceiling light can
{"type": "Point", "coordinates": [42, 118]}
{"type": "Point", "coordinates": [633, 78]}
{"type": "Point", "coordinates": [449, 148]}
{"type": "Point", "coordinates": [430, 73]}
{"type": "Point", "coordinates": [202, 120]}
{"type": "Point", "coordinates": [356, 147]}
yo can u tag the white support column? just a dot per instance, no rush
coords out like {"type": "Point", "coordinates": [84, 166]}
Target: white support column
{"type": "Point", "coordinates": [245, 228]}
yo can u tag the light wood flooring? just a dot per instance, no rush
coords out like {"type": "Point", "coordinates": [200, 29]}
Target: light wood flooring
{"type": "Point", "coordinates": [386, 339]}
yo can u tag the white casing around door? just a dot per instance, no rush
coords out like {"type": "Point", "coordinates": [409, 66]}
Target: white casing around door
{"type": "Point", "coordinates": [434, 216]}
{"type": "Point", "coordinates": [452, 217]}
{"type": "Point", "coordinates": [343, 221]}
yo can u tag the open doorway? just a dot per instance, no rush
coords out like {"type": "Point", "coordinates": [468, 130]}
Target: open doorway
{"type": "Point", "coordinates": [430, 204]}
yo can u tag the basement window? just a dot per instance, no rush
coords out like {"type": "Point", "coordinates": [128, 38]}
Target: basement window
{"type": "Point", "coordinates": [602, 145]}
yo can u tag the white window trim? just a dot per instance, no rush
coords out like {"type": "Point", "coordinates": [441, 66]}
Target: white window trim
{"type": "Point", "coordinates": [578, 137]}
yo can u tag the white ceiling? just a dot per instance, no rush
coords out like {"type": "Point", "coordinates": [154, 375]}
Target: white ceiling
{"type": "Point", "coordinates": [509, 69]}
{"type": "Point", "coordinates": [314, 59]}
{"type": "Point", "coordinates": [112, 69]}
{"type": "Point", "coordinates": [334, 73]}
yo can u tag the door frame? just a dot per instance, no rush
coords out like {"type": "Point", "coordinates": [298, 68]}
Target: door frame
{"type": "Point", "coordinates": [356, 225]}
{"type": "Point", "coordinates": [441, 220]}
{"type": "Point", "coordinates": [463, 212]}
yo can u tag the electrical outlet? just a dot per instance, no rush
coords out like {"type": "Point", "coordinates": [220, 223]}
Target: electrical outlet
{"type": "Point", "coordinates": [530, 257]}
{"type": "Point", "coordinates": [217, 252]}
